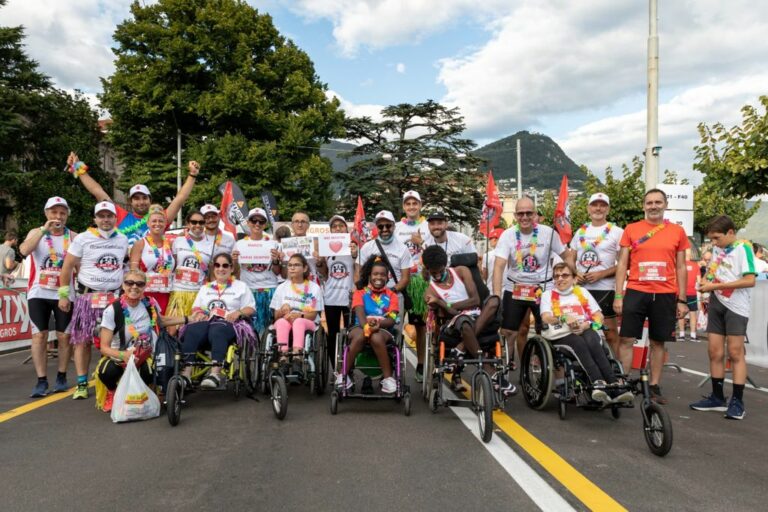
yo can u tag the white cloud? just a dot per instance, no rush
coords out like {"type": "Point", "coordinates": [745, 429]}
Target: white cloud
{"type": "Point", "coordinates": [400, 68]}
{"type": "Point", "coordinates": [357, 110]}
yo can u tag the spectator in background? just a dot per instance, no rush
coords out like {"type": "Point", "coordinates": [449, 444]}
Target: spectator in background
{"type": "Point", "coordinates": [8, 257]}
{"type": "Point", "coordinates": [761, 264]}
{"type": "Point", "coordinates": [693, 301]}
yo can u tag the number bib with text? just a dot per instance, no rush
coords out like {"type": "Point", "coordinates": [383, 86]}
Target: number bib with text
{"type": "Point", "coordinates": [100, 300]}
{"type": "Point", "coordinates": [187, 275]}
{"type": "Point", "coordinates": [157, 283]}
{"type": "Point", "coordinates": [525, 292]}
{"type": "Point", "coordinates": [49, 279]}
{"type": "Point", "coordinates": [652, 271]}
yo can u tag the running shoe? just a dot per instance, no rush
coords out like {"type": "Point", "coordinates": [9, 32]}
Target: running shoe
{"type": "Point", "coordinates": [388, 385]}
{"type": "Point", "coordinates": [709, 403]}
{"type": "Point", "coordinates": [618, 396]}
{"type": "Point", "coordinates": [656, 395]}
{"type": "Point", "coordinates": [61, 385]}
{"type": "Point", "coordinates": [735, 409]}
{"type": "Point", "coordinates": [340, 382]}
{"type": "Point", "coordinates": [109, 401]}
{"type": "Point", "coordinates": [81, 393]}
{"type": "Point", "coordinates": [506, 387]}
{"type": "Point", "coordinates": [214, 382]}
{"type": "Point", "coordinates": [41, 389]}
{"type": "Point", "coordinates": [419, 376]}
{"type": "Point", "coordinates": [599, 394]}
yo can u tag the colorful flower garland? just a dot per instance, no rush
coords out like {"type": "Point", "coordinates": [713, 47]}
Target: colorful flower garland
{"type": "Point", "coordinates": [214, 285]}
{"type": "Point", "coordinates": [198, 256]}
{"type": "Point", "coordinates": [55, 261]}
{"type": "Point", "coordinates": [582, 232]}
{"type": "Point", "coordinates": [167, 255]}
{"type": "Point", "coordinates": [95, 232]}
{"type": "Point", "coordinates": [305, 296]}
{"type": "Point", "coordinates": [409, 222]}
{"type": "Point", "coordinates": [136, 226]}
{"type": "Point", "coordinates": [648, 235]}
{"type": "Point", "coordinates": [77, 169]}
{"type": "Point", "coordinates": [132, 331]}
{"type": "Point", "coordinates": [579, 293]}
{"type": "Point", "coordinates": [715, 264]}
{"type": "Point", "coordinates": [519, 245]}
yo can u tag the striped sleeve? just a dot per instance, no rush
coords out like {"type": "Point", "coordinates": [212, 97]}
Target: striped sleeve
{"type": "Point", "coordinates": [747, 262]}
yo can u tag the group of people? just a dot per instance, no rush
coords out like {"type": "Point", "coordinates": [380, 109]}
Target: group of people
{"type": "Point", "coordinates": [121, 280]}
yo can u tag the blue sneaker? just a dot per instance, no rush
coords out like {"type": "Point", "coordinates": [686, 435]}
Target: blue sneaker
{"type": "Point", "coordinates": [735, 409]}
{"type": "Point", "coordinates": [709, 403]}
{"type": "Point", "coordinates": [41, 389]}
{"type": "Point", "coordinates": [61, 385]}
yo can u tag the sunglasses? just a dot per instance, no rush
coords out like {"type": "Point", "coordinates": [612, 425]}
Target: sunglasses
{"type": "Point", "coordinates": [260, 222]}
{"type": "Point", "coordinates": [138, 284]}
{"type": "Point", "coordinates": [524, 214]}
{"type": "Point", "coordinates": [562, 276]}
{"type": "Point", "coordinates": [385, 226]}
{"type": "Point", "coordinates": [196, 222]}
{"type": "Point", "coordinates": [221, 265]}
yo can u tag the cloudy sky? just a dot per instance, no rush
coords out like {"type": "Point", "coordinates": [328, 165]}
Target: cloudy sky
{"type": "Point", "coordinates": [574, 70]}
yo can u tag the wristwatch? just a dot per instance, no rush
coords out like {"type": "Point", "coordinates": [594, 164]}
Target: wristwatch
{"type": "Point", "coordinates": [682, 301]}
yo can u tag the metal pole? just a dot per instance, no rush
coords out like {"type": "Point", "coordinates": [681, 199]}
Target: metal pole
{"type": "Point", "coordinates": [652, 134]}
{"type": "Point", "coordinates": [519, 173]}
{"type": "Point", "coordinates": [178, 173]}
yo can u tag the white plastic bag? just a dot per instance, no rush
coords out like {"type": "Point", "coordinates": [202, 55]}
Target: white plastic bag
{"type": "Point", "coordinates": [133, 400]}
{"type": "Point", "coordinates": [701, 320]}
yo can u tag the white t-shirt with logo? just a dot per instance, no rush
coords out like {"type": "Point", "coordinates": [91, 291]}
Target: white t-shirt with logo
{"type": "Point", "coordinates": [139, 318]}
{"type": "Point", "coordinates": [534, 266]}
{"type": "Point", "coordinates": [600, 257]}
{"type": "Point", "coordinates": [101, 260]}
{"type": "Point", "coordinates": [226, 244]}
{"type": "Point", "coordinates": [299, 297]}
{"type": "Point", "coordinates": [40, 263]}
{"type": "Point", "coordinates": [404, 231]}
{"type": "Point", "coordinates": [339, 282]}
{"type": "Point", "coordinates": [236, 296]}
{"type": "Point", "coordinates": [569, 304]}
{"type": "Point", "coordinates": [398, 254]}
{"type": "Point", "coordinates": [455, 243]}
{"type": "Point", "coordinates": [258, 276]}
{"type": "Point", "coordinates": [738, 263]}
{"type": "Point", "coordinates": [185, 259]}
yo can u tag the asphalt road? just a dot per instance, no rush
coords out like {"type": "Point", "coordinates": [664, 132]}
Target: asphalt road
{"type": "Point", "coordinates": [235, 455]}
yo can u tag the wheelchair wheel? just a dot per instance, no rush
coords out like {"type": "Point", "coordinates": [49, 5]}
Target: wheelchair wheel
{"type": "Point", "coordinates": [321, 363]}
{"type": "Point", "coordinates": [407, 403]}
{"type": "Point", "coordinates": [616, 412]}
{"type": "Point", "coordinates": [434, 400]}
{"type": "Point", "coordinates": [658, 429]}
{"type": "Point", "coordinates": [173, 400]}
{"type": "Point", "coordinates": [279, 396]}
{"type": "Point", "coordinates": [429, 364]}
{"type": "Point", "coordinates": [482, 399]}
{"type": "Point", "coordinates": [251, 368]}
{"type": "Point", "coordinates": [563, 409]}
{"type": "Point", "coordinates": [536, 373]}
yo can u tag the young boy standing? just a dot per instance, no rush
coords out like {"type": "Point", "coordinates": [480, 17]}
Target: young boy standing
{"type": "Point", "coordinates": [729, 277]}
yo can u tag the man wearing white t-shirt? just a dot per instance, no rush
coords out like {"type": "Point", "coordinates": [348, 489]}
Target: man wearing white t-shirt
{"type": "Point", "coordinates": [595, 248]}
{"type": "Point", "coordinates": [524, 257]}
{"type": "Point", "coordinates": [398, 254]}
{"type": "Point", "coordinates": [221, 241]}
{"type": "Point", "coordinates": [452, 242]}
{"type": "Point", "coordinates": [489, 258]}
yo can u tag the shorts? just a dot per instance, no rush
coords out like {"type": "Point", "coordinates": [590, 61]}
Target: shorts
{"type": "Point", "coordinates": [514, 311]}
{"type": "Point", "coordinates": [723, 321]}
{"type": "Point", "coordinates": [453, 328]}
{"type": "Point", "coordinates": [659, 308]}
{"type": "Point", "coordinates": [693, 303]}
{"type": "Point", "coordinates": [604, 299]}
{"type": "Point", "coordinates": [40, 314]}
{"type": "Point", "coordinates": [415, 319]}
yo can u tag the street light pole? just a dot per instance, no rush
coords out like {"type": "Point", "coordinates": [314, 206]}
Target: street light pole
{"type": "Point", "coordinates": [178, 173]}
{"type": "Point", "coordinates": [519, 172]}
{"type": "Point", "coordinates": [652, 147]}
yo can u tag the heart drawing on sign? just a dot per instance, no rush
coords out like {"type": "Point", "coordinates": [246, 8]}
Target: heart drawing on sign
{"type": "Point", "coordinates": [335, 246]}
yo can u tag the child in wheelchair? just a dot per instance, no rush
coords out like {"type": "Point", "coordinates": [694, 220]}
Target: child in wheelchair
{"type": "Point", "coordinates": [573, 317]}
{"type": "Point", "coordinates": [453, 295]}
{"type": "Point", "coordinates": [375, 311]}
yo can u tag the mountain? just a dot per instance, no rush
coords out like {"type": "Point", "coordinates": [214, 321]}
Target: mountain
{"type": "Point", "coordinates": [543, 161]}
{"type": "Point", "coordinates": [334, 149]}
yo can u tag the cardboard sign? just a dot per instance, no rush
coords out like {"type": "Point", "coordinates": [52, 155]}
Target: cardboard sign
{"type": "Point", "coordinates": [255, 252]}
{"type": "Point", "coordinates": [333, 244]}
{"type": "Point", "coordinates": [298, 244]}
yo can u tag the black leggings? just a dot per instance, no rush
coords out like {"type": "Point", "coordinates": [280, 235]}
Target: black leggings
{"type": "Point", "coordinates": [217, 335]}
{"type": "Point", "coordinates": [333, 316]}
{"type": "Point", "coordinates": [110, 373]}
{"type": "Point", "coordinates": [590, 352]}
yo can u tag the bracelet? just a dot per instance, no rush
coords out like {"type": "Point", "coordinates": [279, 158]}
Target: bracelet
{"type": "Point", "coordinates": [122, 356]}
{"type": "Point", "coordinates": [618, 296]}
{"type": "Point", "coordinates": [64, 292]}
{"type": "Point", "coordinates": [562, 319]}
{"type": "Point", "coordinates": [596, 326]}
{"type": "Point", "coordinates": [78, 169]}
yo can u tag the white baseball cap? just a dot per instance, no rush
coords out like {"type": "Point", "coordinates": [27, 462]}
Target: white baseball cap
{"type": "Point", "coordinates": [258, 211]}
{"type": "Point", "coordinates": [337, 217]}
{"type": "Point", "coordinates": [384, 214]}
{"type": "Point", "coordinates": [412, 194]}
{"type": "Point", "coordinates": [209, 208]}
{"type": "Point", "coordinates": [599, 197]}
{"type": "Point", "coordinates": [138, 189]}
{"type": "Point", "coordinates": [56, 201]}
{"type": "Point", "coordinates": [105, 205]}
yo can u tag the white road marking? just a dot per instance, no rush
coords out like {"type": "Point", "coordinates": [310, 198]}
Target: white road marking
{"type": "Point", "coordinates": [702, 374]}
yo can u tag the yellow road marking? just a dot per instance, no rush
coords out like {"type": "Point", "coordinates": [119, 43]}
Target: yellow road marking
{"type": "Point", "coordinates": [23, 409]}
{"type": "Point", "coordinates": [579, 485]}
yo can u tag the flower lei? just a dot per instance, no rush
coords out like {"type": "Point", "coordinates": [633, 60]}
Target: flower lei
{"type": "Point", "coordinates": [377, 296]}
{"type": "Point", "coordinates": [196, 252]}
{"type": "Point", "coordinates": [55, 261]}
{"type": "Point", "coordinates": [579, 293]}
{"type": "Point", "coordinates": [519, 245]}
{"type": "Point", "coordinates": [305, 296]}
{"type": "Point", "coordinates": [132, 331]}
{"type": "Point", "coordinates": [217, 239]}
{"type": "Point", "coordinates": [95, 232]}
{"type": "Point", "coordinates": [214, 285]}
{"type": "Point", "coordinates": [409, 222]}
{"type": "Point", "coordinates": [166, 258]}
{"type": "Point", "coordinates": [714, 265]}
{"type": "Point", "coordinates": [582, 232]}
{"type": "Point", "coordinates": [136, 226]}
{"type": "Point", "coordinates": [648, 235]}
{"type": "Point", "coordinates": [77, 169]}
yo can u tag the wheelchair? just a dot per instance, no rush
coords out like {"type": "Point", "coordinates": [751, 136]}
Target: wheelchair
{"type": "Point", "coordinates": [240, 367]}
{"type": "Point", "coordinates": [541, 360]}
{"type": "Point", "coordinates": [366, 364]}
{"type": "Point", "coordinates": [306, 366]}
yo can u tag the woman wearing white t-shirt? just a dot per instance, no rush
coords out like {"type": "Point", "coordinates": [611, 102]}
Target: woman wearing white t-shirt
{"type": "Point", "coordinates": [218, 319]}
{"type": "Point", "coordinates": [574, 306]}
{"type": "Point", "coordinates": [296, 304]}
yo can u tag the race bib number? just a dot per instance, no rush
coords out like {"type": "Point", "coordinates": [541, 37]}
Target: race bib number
{"type": "Point", "coordinates": [157, 283]}
{"type": "Point", "coordinates": [724, 293]}
{"type": "Point", "coordinates": [100, 300]}
{"type": "Point", "coordinates": [186, 275]}
{"type": "Point", "coordinates": [652, 270]}
{"type": "Point", "coordinates": [219, 312]}
{"type": "Point", "coordinates": [49, 279]}
{"type": "Point", "coordinates": [574, 310]}
{"type": "Point", "coordinates": [589, 259]}
{"type": "Point", "coordinates": [525, 292]}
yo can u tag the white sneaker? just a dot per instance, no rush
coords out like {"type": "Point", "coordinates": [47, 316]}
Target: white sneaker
{"type": "Point", "coordinates": [388, 385]}
{"type": "Point", "coordinates": [340, 381]}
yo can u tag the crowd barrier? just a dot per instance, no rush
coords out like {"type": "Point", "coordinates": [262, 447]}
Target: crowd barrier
{"type": "Point", "coordinates": [15, 327]}
{"type": "Point", "coordinates": [757, 328]}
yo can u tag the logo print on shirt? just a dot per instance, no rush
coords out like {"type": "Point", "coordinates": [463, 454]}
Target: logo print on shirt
{"type": "Point", "coordinates": [589, 259]}
{"type": "Point", "coordinates": [338, 270]}
{"type": "Point", "coordinates": [108, 263]}
{"type": "Point", "coordinates": [530, 263]}
{"type": "Point", "coordinates": [216, 303]}
{"type": "Point", "coordinates": [190, 262]}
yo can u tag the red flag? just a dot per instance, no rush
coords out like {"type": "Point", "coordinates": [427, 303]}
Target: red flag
{"type": "Point", "coordinates": [491, 214]}
{"type": "Point", "coordinates": [226, 201]}
{"type": "Point", "coordinates": [361, 232]}
{"type": "Point", "coordinates": [562, 219]}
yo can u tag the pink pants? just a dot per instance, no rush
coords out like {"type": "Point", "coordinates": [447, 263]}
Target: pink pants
{"type": "Point", "coordinates": [299, 327]}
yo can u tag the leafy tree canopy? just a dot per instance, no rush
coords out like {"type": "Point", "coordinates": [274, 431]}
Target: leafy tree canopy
{"type": "Point", "coordinates": [246, 99]}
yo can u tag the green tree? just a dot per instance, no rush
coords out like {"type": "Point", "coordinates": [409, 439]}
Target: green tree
{"type": "Point", "coordinates": [246, 99]}
{"type": "Point", "coordinates": [736, 159]}
{"type": "Point", "coordinates": [39, 125]}
{"type": "Point", "coordinates": [414, 147]}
